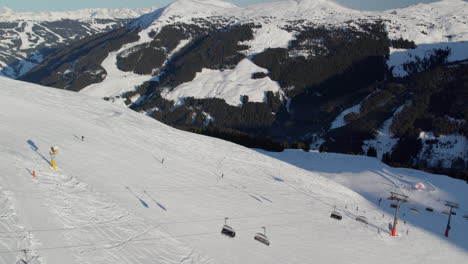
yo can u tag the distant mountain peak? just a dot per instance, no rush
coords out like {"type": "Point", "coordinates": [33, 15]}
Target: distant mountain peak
{"type": "Point", "coordinates": [218, 3]}
{"type": "Point", "coordinates": [8, 15]}
{"type": "Point", "coordinates": [183, 8]}
{"type": "Point", "coordinates": [5, 10]}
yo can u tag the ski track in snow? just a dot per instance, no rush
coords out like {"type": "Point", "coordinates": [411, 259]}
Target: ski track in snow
{"type": "Point", "coordinates": [96, 230]}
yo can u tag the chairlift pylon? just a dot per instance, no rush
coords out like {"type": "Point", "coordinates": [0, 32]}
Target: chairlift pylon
{"type": "Point", "coordinates": [262, 238]}
{"type": "Point", "coordinates": [227, 230]}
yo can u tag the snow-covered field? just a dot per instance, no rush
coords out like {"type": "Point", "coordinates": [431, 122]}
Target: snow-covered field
{"type": "Point", "coordinates": [230, 85]}
{"type": "Point", "coordinates": [138, 191]}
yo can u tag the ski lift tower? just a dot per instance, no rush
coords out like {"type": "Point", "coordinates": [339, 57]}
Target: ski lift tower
{"type": "Point", "coordinates": [452, 205]}
{"type": "Point", "coordinates": [399, 198]}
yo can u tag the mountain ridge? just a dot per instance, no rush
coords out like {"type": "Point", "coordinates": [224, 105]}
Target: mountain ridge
{"type": "Point", "coordinates": [326, 59]}
{"type": "Point", "coordinates": [8, 15]}
{"type": "Point", "coordinates": [27, 37]}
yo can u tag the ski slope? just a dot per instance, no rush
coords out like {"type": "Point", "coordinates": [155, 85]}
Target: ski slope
{"type": "Point", "coordinates": [138, 191]}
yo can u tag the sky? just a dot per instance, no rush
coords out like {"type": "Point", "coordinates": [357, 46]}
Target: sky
{"type": "Point", "coordinates": [60, 5]}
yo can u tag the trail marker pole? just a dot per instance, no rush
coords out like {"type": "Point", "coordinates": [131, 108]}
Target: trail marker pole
{"type": "Point", "coordinates": [452, 205]}
{"type": "Point", "coordinates": [399, 198]}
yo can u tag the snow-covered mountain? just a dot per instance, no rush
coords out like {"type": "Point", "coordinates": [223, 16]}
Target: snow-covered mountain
{"type": "Point", "coordinates": [27, 37]}
{"type": "Point", "coordinates": [134, 190]}
{"type": "Point", "coordinates": [289, 70]}
{"type": "Point", "coordinates": [8, 15]}
{"type": "Point", "coordinates": [278, 23]}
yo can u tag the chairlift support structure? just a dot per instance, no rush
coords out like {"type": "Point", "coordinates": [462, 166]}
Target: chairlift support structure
{"type": "Point", "coordinates": [398, 198]}
{"type": "Point", "coordinates": [452, 206]}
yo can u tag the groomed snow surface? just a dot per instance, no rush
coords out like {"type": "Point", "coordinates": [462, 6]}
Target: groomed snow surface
{"type": "Point", "coordinates": [138, 191]}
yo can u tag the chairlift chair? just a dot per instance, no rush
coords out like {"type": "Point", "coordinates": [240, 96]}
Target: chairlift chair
{"type": "Point", "coordinates": [414, 210]}
{"type": "Point", "coordinates": [429, 209]}
{"type": "Point", "coordinates": [336, 215]}
{"type": "Point", "coordinates": [393, 205]}
{"type": "Point", "coordinates": [227, 230]}
{"type": "Point", "coordinates": [447, 213]}
{"type": "Point", "coordinates": [262, 238]}
{"type": "Point", "coordinates": [361, 219]}
{"type": "Point", "coordinates": [466, 217]}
